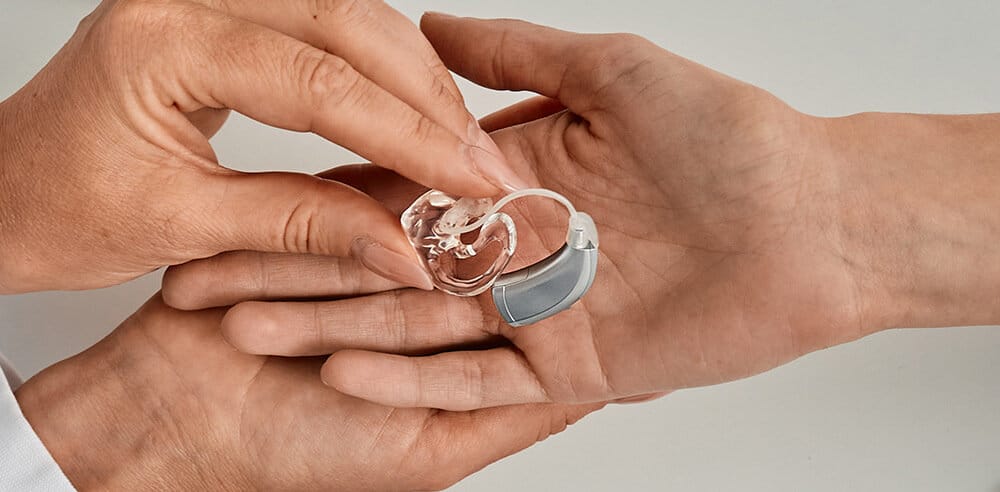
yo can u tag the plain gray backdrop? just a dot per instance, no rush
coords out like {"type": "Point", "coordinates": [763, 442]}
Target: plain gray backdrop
{"type": "Point", "coordinates": [908, 410]}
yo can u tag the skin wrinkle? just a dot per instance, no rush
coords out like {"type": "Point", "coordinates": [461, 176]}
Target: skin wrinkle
{"type": "Point", "coordinates": [315, 334]}
{"type": "Point", "coordinates": [475, 387]}
{"type": "Point", "coordinates": [166, 408]}
{"type": "Point", "coordinates": [638, 91]}
{"type": "Point", "coordinates": [570, 121]}
{"type": "Point", "coordinates": [607, 388]}
{"type": "Point", "coordinates": [524, 146]}
{"type": "Point", "coordinates": [241, 420]}
{"type": "Point", "coordinates": [498, 59]}
{"type": "Point", "coordinates": [400, 316]}
{"type": "Point", "coordinates": [539, 386]}
{"type": "Point", "coordinates": [291, 229]}
{"type": "Point", "coordinates": [624, 63]}
{"type": "Point", "coordinates": [263, 278]}
{"type": "Point", "coordinates": [373, 446]}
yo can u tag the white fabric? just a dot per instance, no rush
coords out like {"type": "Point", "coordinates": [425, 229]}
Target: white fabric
{"type": "Point", "coordinates": [13, 378]}
{"type": "Point", "coordinates": [25, 464]}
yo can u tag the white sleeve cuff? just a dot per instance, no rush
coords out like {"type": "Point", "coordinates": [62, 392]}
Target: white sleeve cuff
{"type": "Point", "coordinates": [25, 464]}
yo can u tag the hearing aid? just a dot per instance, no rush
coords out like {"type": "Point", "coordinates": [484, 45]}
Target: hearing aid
{"type": "Point", "coordinates": [436, 225]}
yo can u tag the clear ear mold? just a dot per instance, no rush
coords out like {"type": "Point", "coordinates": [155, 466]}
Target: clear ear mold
{"type": "Point", "coordinates": [434, 224]}
{"type": "Point", "coordinates": [465, 244]}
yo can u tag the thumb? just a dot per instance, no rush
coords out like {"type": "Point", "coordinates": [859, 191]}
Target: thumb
{"type": "Point", "coordinates": [298, 213]}
{"type": "Point", "coordinates": [516, 55]}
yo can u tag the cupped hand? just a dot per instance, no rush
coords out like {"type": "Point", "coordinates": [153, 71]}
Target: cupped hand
{"type": "Point", "coordinates": [106, 171]}
{"type": "Point", "coordinates": [720, 253]}
{"type": "Point", "coordinates": [163, 403]}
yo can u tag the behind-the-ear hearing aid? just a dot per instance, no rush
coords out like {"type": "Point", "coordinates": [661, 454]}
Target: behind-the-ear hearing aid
{"type": "Point", "coordinates": [436, 222]}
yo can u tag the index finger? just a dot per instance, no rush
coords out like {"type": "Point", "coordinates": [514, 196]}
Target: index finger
{"type": "Point", "coordinates": [284, 82]}
{"type": "Point", "coordinates": [378, 41]}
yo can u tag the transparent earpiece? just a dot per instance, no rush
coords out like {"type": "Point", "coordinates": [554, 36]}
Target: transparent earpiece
{"type": "Point", "coordinates": [437, 226]}
{"type": "Point", "coordinates": [443, 229]}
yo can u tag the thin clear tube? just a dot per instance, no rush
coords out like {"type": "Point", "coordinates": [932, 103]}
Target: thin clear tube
{"type": "Point", "coordinates": [503, 202]}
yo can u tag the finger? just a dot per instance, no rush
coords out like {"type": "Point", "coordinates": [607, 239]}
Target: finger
{"type": "Point", "coordinates": [460, 443]}
{"type": "Point", "coordinates": [643, 398]}
{"type": "Point", "coordinates": [407, 322]}
{"type": "Point", "coordinates": [517, 55]}
{"type": "Point", "coordinates": [449, 381]}
{"type": "Point", "coordinates": [296, 213]}
{"type": "Point", "coordinates": [378, 41]}
{"type": "Point", "coordinates": [393, 191]}
{"type": "Point", "coordinates": [290, 84]}
{"type": "Point", "coordinates": [238, 276]}
{"type": "Point", "coordinates": [208, 120]}
{"type": "Point", "coordinates": [523, 112]}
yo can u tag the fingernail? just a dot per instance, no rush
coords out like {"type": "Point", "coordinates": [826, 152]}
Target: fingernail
{"type": "Point", "coordinates": [439, 14]}
{"type": "Point", "coordinates": [390, 264]}
{"type": "Point", "coordinates": [488, 162]}
{"type": "Point", "coordinates": [633, 400]}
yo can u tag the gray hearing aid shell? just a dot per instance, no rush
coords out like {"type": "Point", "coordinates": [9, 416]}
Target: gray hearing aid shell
{"type": "Point", "coordinates": [552, 285]}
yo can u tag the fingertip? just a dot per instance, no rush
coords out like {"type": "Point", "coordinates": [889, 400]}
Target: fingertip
{"type": "Point", "coordinates": [390, 264]}
{"type": "Point", "coordinates": [432, 16]}
{"type": "Point", "coordinates": [385, 379]}
{"type": "Point", "coordinates": [184, 289]}
{"type": "Point", "coordinates": [341, 371]}
{"type": "Point", "coordinates": [251, 329]}
{"type": "Point", "coordinates": [434, 26]}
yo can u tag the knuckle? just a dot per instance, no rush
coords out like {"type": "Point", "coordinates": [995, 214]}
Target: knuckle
{"type": "Point", "coordinates": [613, 58]}
{"type": "Point", "coordinates": [116, 31]}
{"type": "Point", "coordinates": [129, 17]}
{"type": "Point", "coordinates": [439, 78]}
{"type": "Point", "coordinates": [396, 320]}
{"type": "Point", "coordinates": [624, 43]}
{"type": "Point", "coordinates": [349, 277]}
{"type": "Point", "coordinates": [325, 77]}
{"type": "Point", "coordinates": [313, 330]}
{"type": "Point", "coordinates": [557, 422]}
{"type": "Point", "coordinates": [257, 274]}
{"type": "Point", "coordinates": [420, 130]}
{"type": "Point", "coordinates": [298, 232]}
{"type": "Point", "coordinates": [441, 92]}
{"type": "Point", "coordinates": [472, 375]}
{"type": "Point", "coordinates": [343, 11]}
{"type": "Point", "coordinates": [511, 54]}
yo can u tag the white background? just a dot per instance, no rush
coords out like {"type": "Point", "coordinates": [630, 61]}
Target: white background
{"type": "Point", "coordinates": [907, 410]}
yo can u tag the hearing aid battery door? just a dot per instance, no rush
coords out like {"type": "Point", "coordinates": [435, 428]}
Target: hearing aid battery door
{"type": "Point", "coordinates": [548, 287]}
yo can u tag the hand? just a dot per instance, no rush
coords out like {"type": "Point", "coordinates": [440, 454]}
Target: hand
{"type": "Point", "coordinates": [163, 402]}
{"type": "Point", "coordinates": [106, 171]}
{"type": "Point", "coordinates": [736, 235]}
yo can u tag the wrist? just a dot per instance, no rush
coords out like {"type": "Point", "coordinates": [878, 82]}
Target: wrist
{"type": "Point", "coordinates": [918, 209]}
{"type": "Point", "coordinates": [7, 144]}
{"type": "Point", "coordinates": [108, 426]}
{"type": "Point", "coordinates": [13, 236]}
